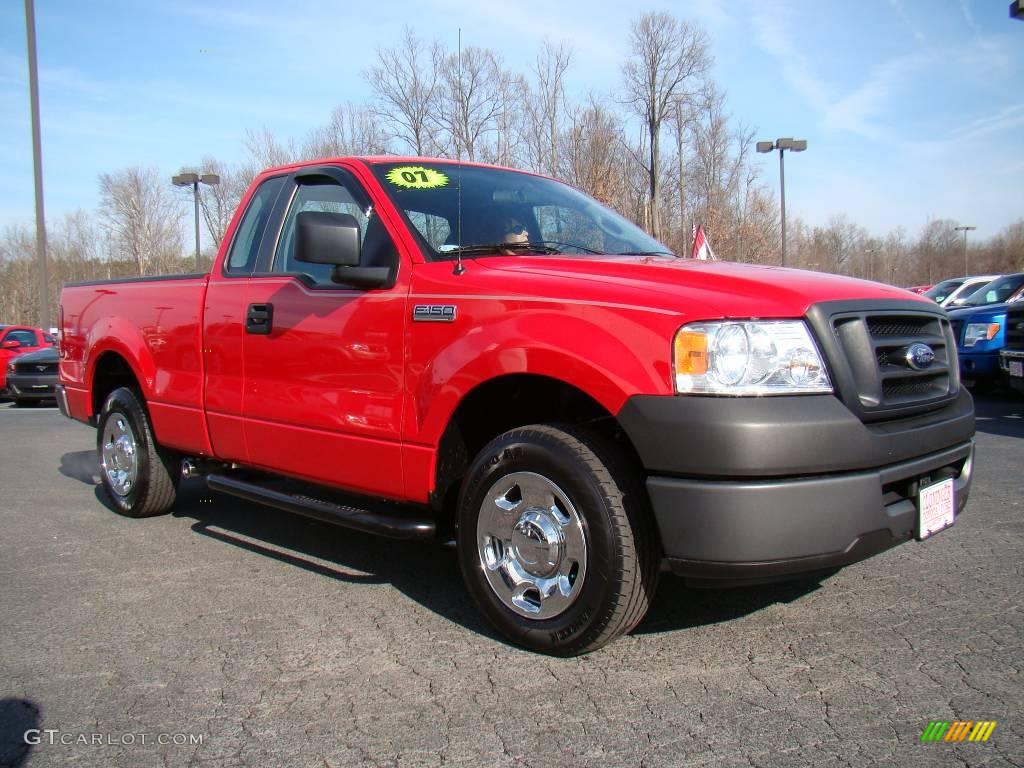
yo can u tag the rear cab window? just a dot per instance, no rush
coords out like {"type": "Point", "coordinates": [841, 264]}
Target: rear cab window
{"type": "Point", "coordinates": [245, 246]}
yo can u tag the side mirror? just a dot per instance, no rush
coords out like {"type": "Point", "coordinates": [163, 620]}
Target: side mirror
{"type": "Point", "coordinates": [333, 238]}
{"type": "Point", "coordinates": [11, 344]}
{"type": "Point", "coordinates": [327, 238]}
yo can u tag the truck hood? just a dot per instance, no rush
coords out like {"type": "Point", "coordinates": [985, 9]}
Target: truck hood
{"type": "Point", "coordinates": [725, 288]}
{"type": "Point", "coordinates": [979, 312]}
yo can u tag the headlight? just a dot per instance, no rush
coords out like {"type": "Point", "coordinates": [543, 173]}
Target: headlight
{"type": "Point", "coordinates": [975, 332]}
{"type": "Point", "coordinates": [769, 357]}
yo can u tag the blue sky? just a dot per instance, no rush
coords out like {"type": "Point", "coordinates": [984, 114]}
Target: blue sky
{"type": "Point", "coordinates": [912, 109]}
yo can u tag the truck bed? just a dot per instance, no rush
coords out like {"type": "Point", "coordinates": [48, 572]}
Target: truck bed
{"type": "Point", "coordinates": [155, 323]}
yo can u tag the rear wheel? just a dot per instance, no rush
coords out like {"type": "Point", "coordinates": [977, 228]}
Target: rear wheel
{"type": "Point", "coordinates": [555, 540]}
{"type": "Point", "coordinates": [139, 476]}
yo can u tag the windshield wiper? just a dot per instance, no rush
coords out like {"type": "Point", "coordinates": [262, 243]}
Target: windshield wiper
{"type": "Point", "coordinates": [648, 253]}
{"type": "Point", "coordinates": [532, 246]}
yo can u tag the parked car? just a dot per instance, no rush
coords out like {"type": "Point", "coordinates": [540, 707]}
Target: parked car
{"type": "Point", "coordinates": [16, 340]}
{"type": "Point", "coordinates": [1007, 288]}
{"type": "Point", "coordinates": [980, 328]}
{"type": "Point", "coordinates": [948, 291]}
{"type": "Point", "coordinates": [919, 288]}
{"type": "Point", "coordinates": [32, 377]}
{"type": "Point", "coordinates": [941, 291]}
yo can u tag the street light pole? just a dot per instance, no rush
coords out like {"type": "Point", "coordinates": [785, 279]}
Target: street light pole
{"type": "Point", "coordinates": [782, 198]}
{"type": "Point", "coordinates": [965, 230]}
{"type": "Point", "coordinates": [793, 145]}
{"type": "Point", "coordinates": [193, 180]}
{"type": "Point", "coordinates": [37, 165]}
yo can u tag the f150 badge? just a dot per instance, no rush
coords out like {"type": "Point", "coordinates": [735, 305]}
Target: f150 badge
{"type": "Point", "coordinates": [433, 313]}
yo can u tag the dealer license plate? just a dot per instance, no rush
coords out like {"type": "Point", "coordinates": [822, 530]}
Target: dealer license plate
{"type": "Point", "coordinates": [936, 508]}
{"type": "Point", "coordinates": [1017, 368]}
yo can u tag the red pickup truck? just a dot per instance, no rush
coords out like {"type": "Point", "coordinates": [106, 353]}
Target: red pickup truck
{"type": "Point", "coordinates": [490, 355]}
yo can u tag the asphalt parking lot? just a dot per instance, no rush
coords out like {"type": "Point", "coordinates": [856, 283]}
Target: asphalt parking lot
{"type": "Point", "coordinates": [227, 634]}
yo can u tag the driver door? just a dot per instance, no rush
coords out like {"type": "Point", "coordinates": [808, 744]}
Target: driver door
{"type": "Point", "coordinates": [324, 361]}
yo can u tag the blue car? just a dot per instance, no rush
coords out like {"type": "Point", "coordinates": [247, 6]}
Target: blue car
{"type": "Point", "coordinates": [980, 326]}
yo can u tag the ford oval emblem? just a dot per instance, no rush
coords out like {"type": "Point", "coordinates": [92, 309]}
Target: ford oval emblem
{"type": "Point", "coordinates": [919, 356]}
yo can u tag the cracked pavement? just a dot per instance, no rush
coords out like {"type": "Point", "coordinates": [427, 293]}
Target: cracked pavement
{"type": "Point", "coordinates": [283, 641]}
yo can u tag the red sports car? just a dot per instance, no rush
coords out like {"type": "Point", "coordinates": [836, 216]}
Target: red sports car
{"type": "Point", "coordinates": [17, 340]}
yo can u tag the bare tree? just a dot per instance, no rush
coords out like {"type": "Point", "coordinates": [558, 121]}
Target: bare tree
{"type": "Point", "coordinates": [352, 130]}
{"type": "Point", "coordinates": [721, 173]}
{"type": "Point", "coordinates": [471, 101]}
{"type": "Point", "coordinates": [142, 217]}
{"type": "Point", "coordinates": [844, 243]}
{"type": "Point", "coordinates": [266, 150]}
{"type": "Point", "coordinates": [939, 251]}
{"type": "Point", "coordinates": [668, 62]}
{"type": "Point", "coordinates": [218, 202]}
{"type": "Point", "coordinates": [406, 86]}
{"type": "Point", "coordinates": [546, 107]}
{"type": "Point", "coordinates": [592, 155]}
{"type": "Point", "coordinates": [509, 121]}
{"type": "Point", "coordinates": [19, 299]}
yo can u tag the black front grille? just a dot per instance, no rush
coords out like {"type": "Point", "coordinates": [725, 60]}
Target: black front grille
{"type": "Point", "coordinates": [878, 366]}
{"type": "Point", "coordinates": [1015, 328]}
{"type": "Point", "coordinates": [881, 327]}
{"type": "Point", "coordinates": [38, 369]}
{"type": "Point", "coordinates": [925, 387]}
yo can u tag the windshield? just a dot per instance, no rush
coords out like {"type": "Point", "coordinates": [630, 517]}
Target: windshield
{"type": "Point", "coordinates": [939, 293]}
{"type": "Point", "coordinates": [474, 210]}
{"type": "Point", "coordinates": [999, 290]}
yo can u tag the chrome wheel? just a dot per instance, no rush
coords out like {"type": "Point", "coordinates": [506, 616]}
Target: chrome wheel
{"type": "Point", "coordinates": [119, 455]}
{"type": "Point", "coordinates": [532, 545]}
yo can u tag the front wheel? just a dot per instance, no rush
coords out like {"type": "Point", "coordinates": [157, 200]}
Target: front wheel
{"type": "Point", "coordinates": [555, 541]}
{"type": "Point", "coordinates": [139, 476]}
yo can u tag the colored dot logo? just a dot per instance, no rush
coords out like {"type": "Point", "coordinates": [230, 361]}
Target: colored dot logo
{"type": "Point", "coordinates": [958, 730]}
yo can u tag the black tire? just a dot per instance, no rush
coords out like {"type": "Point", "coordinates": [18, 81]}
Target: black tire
{"type": "Point", "coordinates": [154, 487]}
{"type": "Point", "coordinates": [606, 493]}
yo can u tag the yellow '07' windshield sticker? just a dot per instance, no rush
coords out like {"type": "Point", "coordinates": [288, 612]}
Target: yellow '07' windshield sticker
{"type": "Point", "coordinates": [417, 177]}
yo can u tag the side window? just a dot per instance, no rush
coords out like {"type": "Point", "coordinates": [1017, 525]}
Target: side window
{"type": "Point", "coordinates": [246, 245]}
{"type": "Point", "coordinates": [331, 197]}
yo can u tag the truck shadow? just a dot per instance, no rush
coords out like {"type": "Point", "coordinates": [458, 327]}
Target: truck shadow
{"type": "Point", "coordinates": [426, 573]}
{"type": "Point", "coordinates": [80, 465]}
{"type": "Point", "coordinates": [999, 412]}
{"type": "Point", "coordinates": [677, 606]}
{"type": "Point", "coordinates": [429, 574]}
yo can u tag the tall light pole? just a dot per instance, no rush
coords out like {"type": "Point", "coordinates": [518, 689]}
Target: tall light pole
{"type": "Point", "coordinates": [193, 180]}
{"type": "Point", "coordinates": [965, 230]}
{"type": "Point", "coordinates": [869, 252]}
{"type": "Point", "coordinates": [793, 145]}
{"type": "Point", "coordinates": [37, 165]}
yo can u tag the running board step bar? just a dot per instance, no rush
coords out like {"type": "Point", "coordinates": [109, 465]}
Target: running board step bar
{"type": "Point", "coordinates": [392, 525]}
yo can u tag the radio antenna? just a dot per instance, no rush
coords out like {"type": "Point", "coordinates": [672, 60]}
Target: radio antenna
{"type": "Point", "coordinates": [459, 269]}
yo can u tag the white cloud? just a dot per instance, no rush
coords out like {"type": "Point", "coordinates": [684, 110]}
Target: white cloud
{"type": "Point", "coordinates": [856, 111]}
{"type": "Point", "coordinates": [965, 8]}
{"type": "Point", "coordinates": [915, 30]}
{"type": "Point", "coordinates": [797, 69]}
